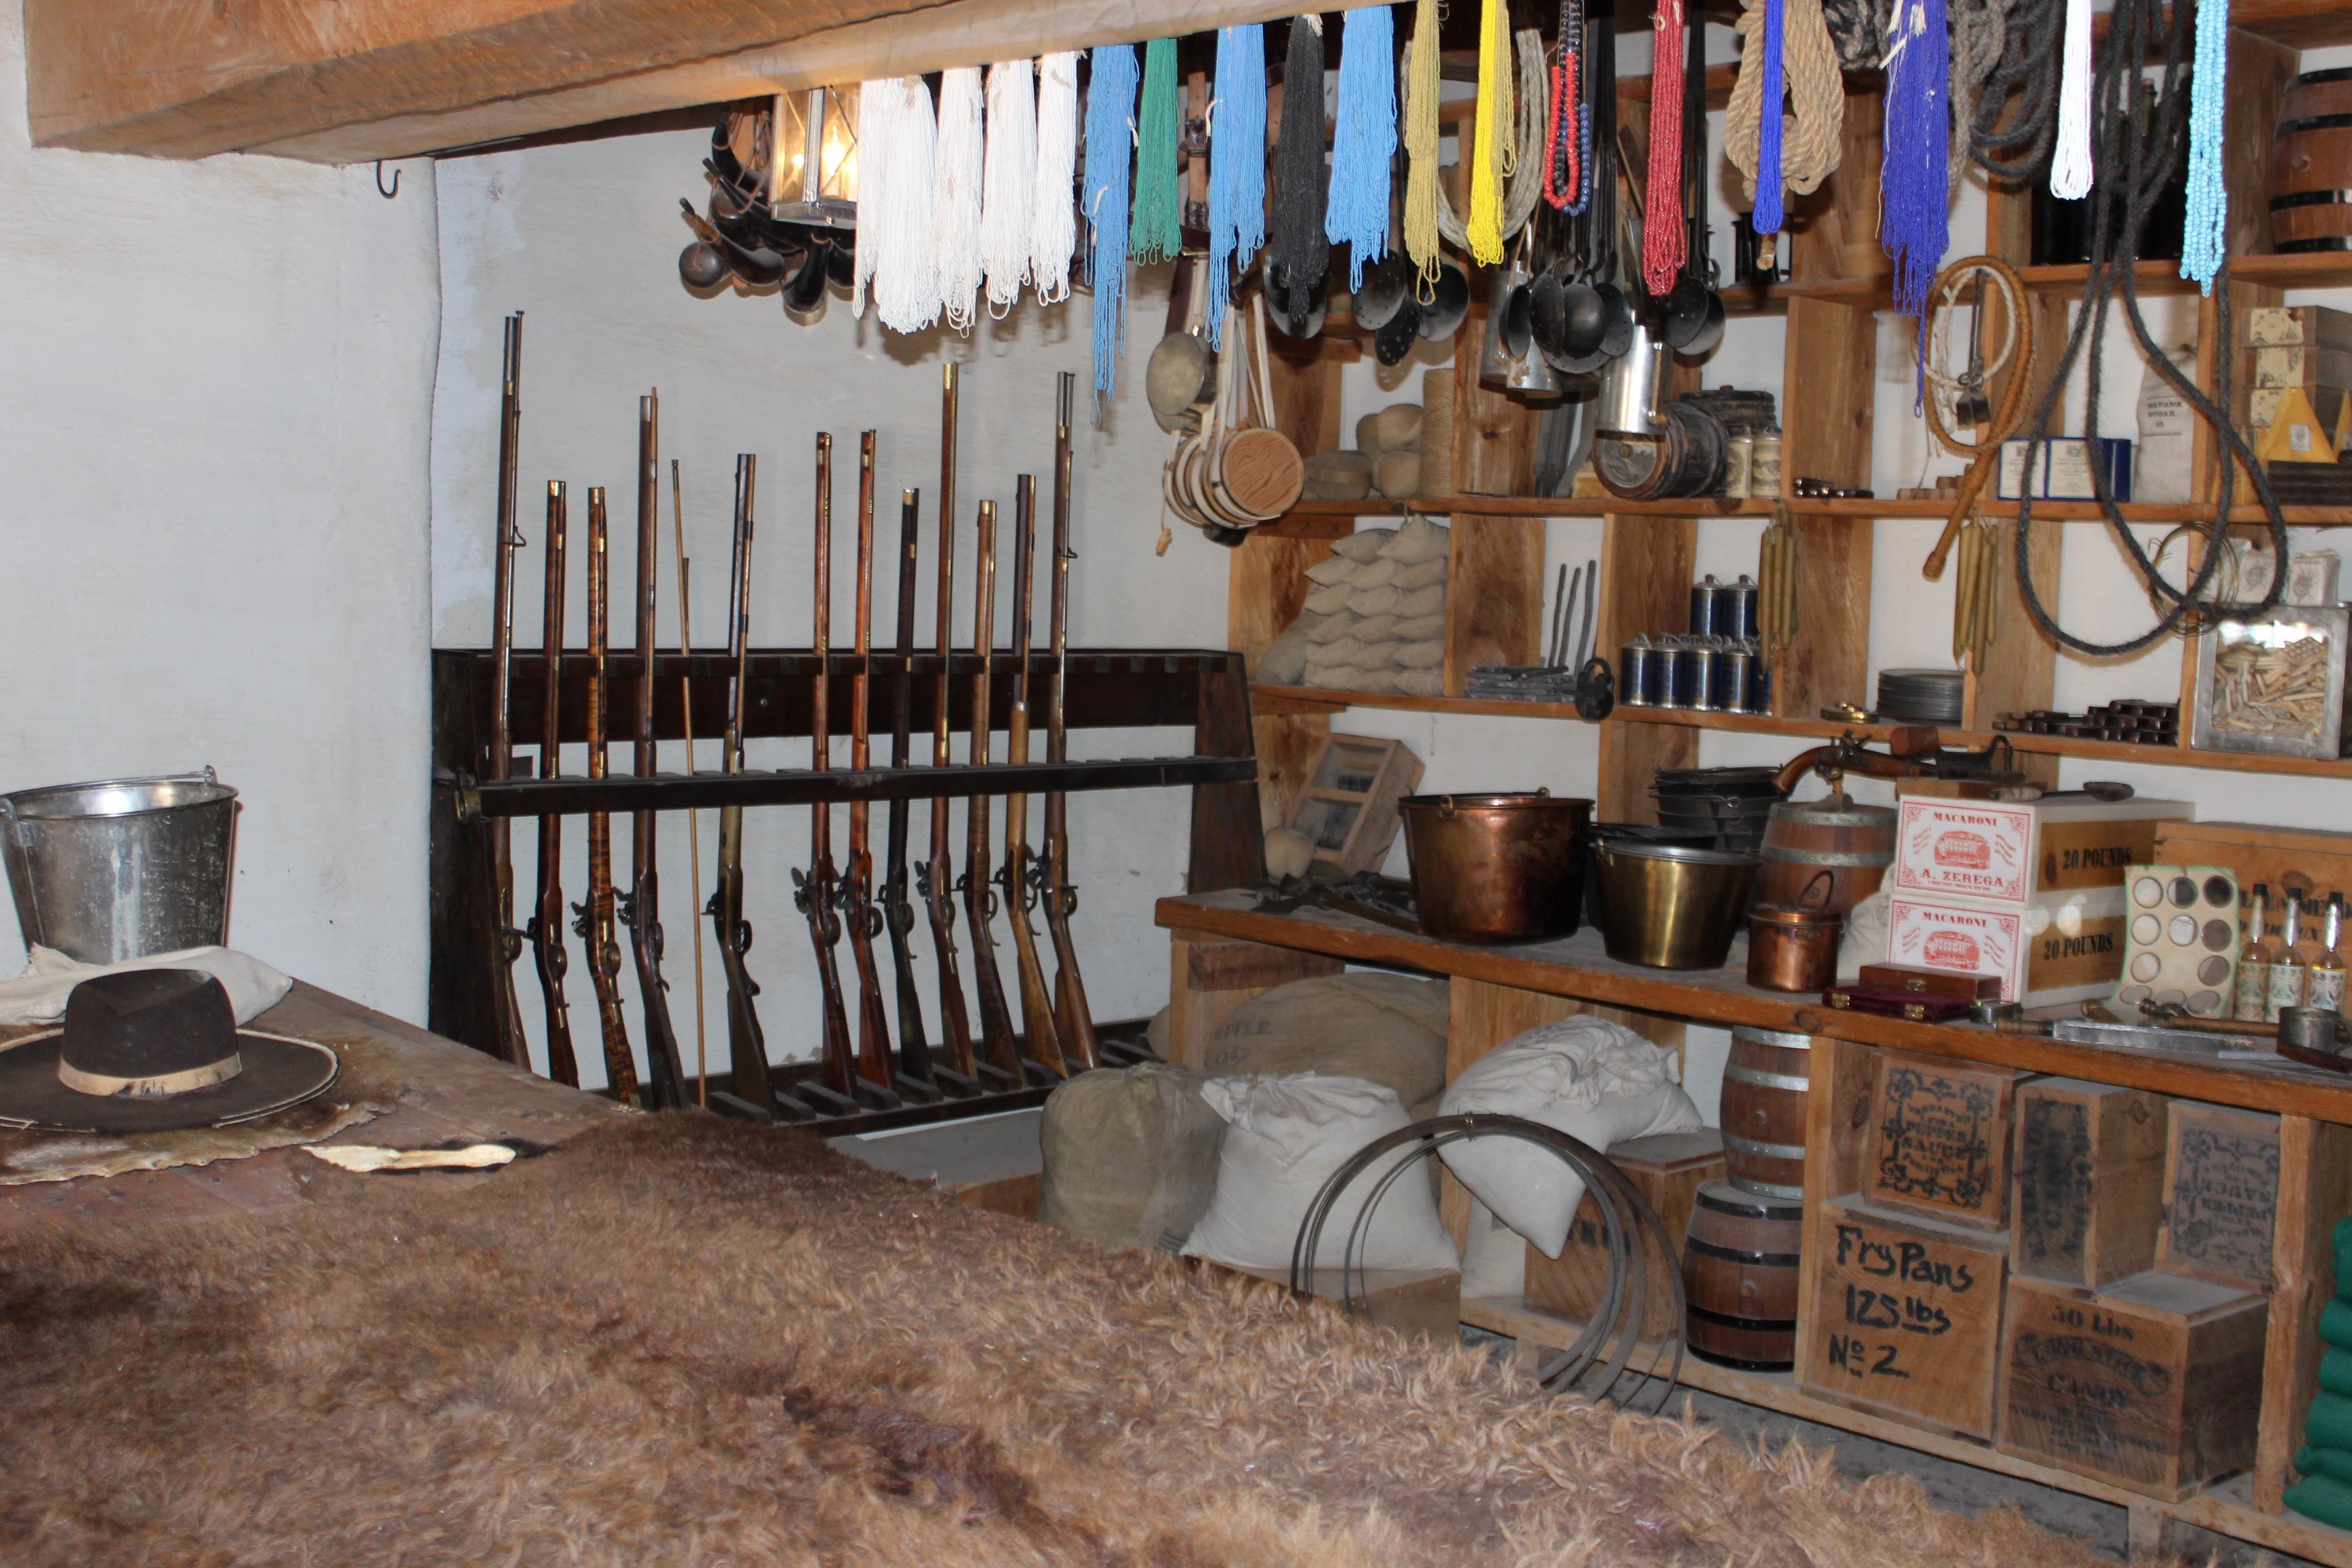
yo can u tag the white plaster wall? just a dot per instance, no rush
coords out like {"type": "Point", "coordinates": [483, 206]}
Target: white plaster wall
{"type": "Point", "coordinates": [585, 240]}
{"type": "Point", "coordinates": [214, 427]}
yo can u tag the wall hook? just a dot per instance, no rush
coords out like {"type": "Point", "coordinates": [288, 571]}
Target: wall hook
{"type": "Point", "coordinates": [386, 194]}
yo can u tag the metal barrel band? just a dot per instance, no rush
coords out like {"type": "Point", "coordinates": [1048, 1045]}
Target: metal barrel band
{"type": "Point", "coordinates": [1766, 1189]}
{"type": "Point", "coordinates": [1763, 1079]}
{"type": "Point", "coordinates": [1759, 1325]}
{"type": "Point", "coordinates": [1864, 858]}
{"type": "Point", "coordinates": [1741, 1254]}
{"type": "Point", "coordinates": [1772, 1151]}
{"type": "Point", "coordinates": [2335, 197]}
{"type": "Point", "coordinates": [1782, 1038]}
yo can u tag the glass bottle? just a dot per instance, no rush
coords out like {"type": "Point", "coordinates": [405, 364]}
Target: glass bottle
{"type": "Point", "coordinates": [2254, 956]}
{"type": "Point", "coordinates": [2323, 981]}
{"type": "Point", "coordinates": [2287, 966]}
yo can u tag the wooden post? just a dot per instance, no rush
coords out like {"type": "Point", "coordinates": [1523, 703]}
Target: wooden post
{"type": "Point", "coordinates": [2314, 1192]}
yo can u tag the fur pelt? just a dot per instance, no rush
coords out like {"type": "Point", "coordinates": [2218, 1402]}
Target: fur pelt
{"type": "Point", "coordinates": [680, 1341]}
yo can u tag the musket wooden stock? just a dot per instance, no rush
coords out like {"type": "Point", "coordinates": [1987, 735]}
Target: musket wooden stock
{"type": "Point", "coordinates": [859, 916]}
{"type": "Point", "coordinates": [996, 1018]}
{"type": "Point", "coordinates": [693, 818]}
{"type": "Point", "coordinates": [506, 939]}
{"type": "Point", "coordinates": [747, 1046]}
{"type": "Point", "coordinates": [814, 890]}
{"type": "Point", "coordinates": [595, 923]}
{"type": "Point", "coordinates": [640, 907]}
{"type": "Point", "coordinates": [898, 911]}
{"type": "Point", "coordinates": [936, 877]}
{"type": "Point", "coordinates": [546, 930]}
{"type": "Point", "coordinates": [1037, 1002]}
{"type": "Point", "coordinates": [1072, 1012]}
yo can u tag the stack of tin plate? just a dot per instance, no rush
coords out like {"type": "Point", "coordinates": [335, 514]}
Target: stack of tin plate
{"type": "Point", "coordinates": [1920, 696]}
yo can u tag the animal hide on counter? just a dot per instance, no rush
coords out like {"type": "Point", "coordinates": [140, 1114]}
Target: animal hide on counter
{"type": "Point", "coordinates": [678, 1340]}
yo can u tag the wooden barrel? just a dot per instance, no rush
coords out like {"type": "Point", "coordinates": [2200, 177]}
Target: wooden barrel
{"type": "Point", "coordinates": [1764, 1086]}
{"type": "Point", "coordinates": [1854, 844]}
{"type": "Point", "coordinates": [2311, 165]}
{"type": "Point", "coordinates": [1739, 1278]}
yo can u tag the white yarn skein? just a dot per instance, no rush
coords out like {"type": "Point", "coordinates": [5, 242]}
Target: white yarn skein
{"type": "Point", "coordinates": [905, 265]}
{"type": "Point", "coordinates": [1054, 224]}
{"type": "Point", "coordinates": [2070, 158]}
{"type": "Point", "coordinates": [875, 103]}
{"type": "Point", "coordinates": [956, 182]}
{"type": "Point", "coordinates": [1006, 204]}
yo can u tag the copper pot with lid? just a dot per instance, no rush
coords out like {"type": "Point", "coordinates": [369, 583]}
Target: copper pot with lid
{"type": "Point", "coordinates": [1795, 947]}
{"type": "Point", "coordinates": [1496, 868]}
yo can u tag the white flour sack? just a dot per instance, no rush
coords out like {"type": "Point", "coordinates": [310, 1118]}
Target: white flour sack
{"type": "Point", "coordinates": [1583, 1075]}
{"type": "Point", "coordinates": [1284, 1137]}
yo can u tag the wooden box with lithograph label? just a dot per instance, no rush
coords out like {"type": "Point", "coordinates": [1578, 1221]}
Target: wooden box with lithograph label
{"type": "Point", "coordinates": [1939, 1138]}
{"type": "Point", "coordinates": [2154, 1382]}
{"type": "Point", "coordinates": [2089, 1186]}
{"type": "Point", "coordinates": [2220, 1194]}
{"type": "Point", "coordinates": [1905, 1319]}
{"type": "Point", "coordinates": [1668, 1170]}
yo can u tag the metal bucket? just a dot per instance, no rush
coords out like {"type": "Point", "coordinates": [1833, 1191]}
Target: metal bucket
{"type": "Point", "coordinates": [122, 867]}
{"type": "Point", "coordinates": [1496, 868]}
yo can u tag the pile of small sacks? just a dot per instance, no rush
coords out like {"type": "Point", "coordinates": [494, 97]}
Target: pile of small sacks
{"type": "Point", "coordinates": [1374, 619]}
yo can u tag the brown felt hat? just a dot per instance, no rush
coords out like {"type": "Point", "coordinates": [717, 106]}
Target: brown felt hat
{"type": "Point", "coordinates": [152, 1050]}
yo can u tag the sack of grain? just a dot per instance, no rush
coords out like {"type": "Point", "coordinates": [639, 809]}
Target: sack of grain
{"type": "Point", "coordinates": [1388, 1029]}
{"type": "Point", "coordinates": [1584, 1076]}
{"type": "Point", "coordinates": [1284, 658]}
{"type": "Point", "coordinates": [1398, 474]}
{"type": "Point", "coordinates": [1364, 544]}
{"type": "Point", "coordinates": [1284, 1138]}
{"type": "Point", "coordinates": [1338, 476]}
{"type": "Point", "coordinates": [1131, 1155]}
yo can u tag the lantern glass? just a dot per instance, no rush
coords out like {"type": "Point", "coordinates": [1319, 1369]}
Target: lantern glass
{"type": "Point", "coordinates": [814, 179]}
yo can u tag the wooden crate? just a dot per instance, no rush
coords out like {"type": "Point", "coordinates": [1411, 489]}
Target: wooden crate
{"type": "Point", "coordinates": [2154, 1382]}
{"type": "Point", "coordinates": [1667, 1170]}
{"type": "Point", "coordinates": [2088, 1193]}
{"type": "Point", "coordinates": [2290, 859]}
{"type": "Point", "coordinates": [1348, 811]}
{"type": "Point", "coordinates": [1905, 1317]}
{"type": "Point", "coordinates": [2220, 1194]}
{"type": "Point", "coordinates": [1939, 1139]}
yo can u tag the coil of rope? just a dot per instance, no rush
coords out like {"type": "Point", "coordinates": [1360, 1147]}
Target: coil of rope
{"type": "Point", "coordinates": [2016, 107]}
{"type": "Point", "coordinates": [1531, 112]}
{"type": "Point", "coordinates": [1812, 147]}
{"type": "Point", "coordinates": [2017, 343]}
{"type": "Point", "coordinates": [2139, 139]}
{"type": "Point", "coordinates": [1635, 1233]}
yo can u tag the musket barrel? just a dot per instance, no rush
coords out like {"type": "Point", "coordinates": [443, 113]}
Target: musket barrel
{"type": "Point", "coordinates": [547, 918]}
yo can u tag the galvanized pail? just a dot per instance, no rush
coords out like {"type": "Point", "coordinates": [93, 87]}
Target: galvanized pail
{"type": "Point", "coordinates": [122, 867]}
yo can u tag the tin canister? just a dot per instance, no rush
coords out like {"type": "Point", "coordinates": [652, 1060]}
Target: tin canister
{"type": "Point", "coordinates": [1636, 662]}
{"type": "Point", "coordinates": [1707, 607]}
{"type": "Point", "coordinates": [1658, 678]}
{"type": "Point", "coordinates": [1704, 660]}
{"type": "Point", "coordinates": [1735, 678]}
{"type": "Point", "coordinates": [1742, 596]}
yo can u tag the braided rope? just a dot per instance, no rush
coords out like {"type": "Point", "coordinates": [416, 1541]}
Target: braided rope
{"type": "Point", "coordinates": [2016, 108]}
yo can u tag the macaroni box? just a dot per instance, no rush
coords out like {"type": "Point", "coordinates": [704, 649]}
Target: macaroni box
{"type": "Point", "coordinates": [2060, 947]}
{"type": "Point", "coordinates": [2011, 852]}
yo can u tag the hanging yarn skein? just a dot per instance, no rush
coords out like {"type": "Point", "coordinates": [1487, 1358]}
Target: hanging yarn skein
{"type": "Point", "coordinates": [1770, 175]}
{"type": "Point", "coordinates": [874, 111]}
{"type": "Point", "coordinates": [2070, 160]}
{"type": "Point", "coordinates": [1420, 90]}
{"type": "Point", "coordinates": [1006, 214]}
{"type": "Point", "coordinates": [1490, 155]}
{"type": "Point", "coordinates": [957, 171]}
{"type": "Point", "coordinates": [1110, 107]}
{"type": "Point", "coordinates": [1809, 136]}
{"type": "Point", "coordinates": [1568, 136]}
{"type": "Point", "coordinates": [1236, 165]}
{"type": "Point", "coordinates": [1297, 253]}
{"type": "Point", "coordinates": [1052, 225]}
{"type": "Point", "coordinates": [898, 138]}
{"type": "Point", "coordinates": [1157, 231]}
{"type": "Point", "coordinates": [2203, 240]}
{"type": "Point", "coordinates": [1363, 142]}
{"type": "Point", "coordinates": [1914, 211]}
{"type": "Point", "coordinates": [1664, 237]}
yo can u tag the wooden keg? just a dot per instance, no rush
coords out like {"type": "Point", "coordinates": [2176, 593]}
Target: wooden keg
{"type": "Point", "coordinates": [1764, 1086]}
{"type": "Point", "coordinates": [2311, 164]}
{"type": "Point", "coordinates": [1856, 843]}
{"type": "Point", "coordinates": [1739, 1278]}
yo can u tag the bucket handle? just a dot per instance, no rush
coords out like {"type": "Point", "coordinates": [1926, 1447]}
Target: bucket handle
{"type": "Point", "coordinates": [1445, 804]}
{"type": "Point", "coordinates": [23, 830]}
{"type": "Point", "coordinates": [1826, 880]}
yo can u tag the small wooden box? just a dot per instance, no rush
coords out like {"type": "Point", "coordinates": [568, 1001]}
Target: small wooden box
{"type": "Point", "coordinates": [2154, 1382]}
{"type": "Point", "coordinates": [1905, 1318]}
{"type": "Point", "coordinates": [1667, 1169]}
{"type": "Point", "coordinates": [1349, 809]}
{"type": "Point", "coordinates": [2220, 1194]}
{"type": "Point", "coordinates": [2089, 1189]}
{"type": "Point", "coordinates": [1939, 1138]}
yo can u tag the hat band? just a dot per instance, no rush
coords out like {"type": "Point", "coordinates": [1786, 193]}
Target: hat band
{"type": "Point", "coordinates": [155, 1088]}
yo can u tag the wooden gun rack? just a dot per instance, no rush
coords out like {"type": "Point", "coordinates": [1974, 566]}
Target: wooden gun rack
{"type": "Point", "coordinates": [1205, 691]}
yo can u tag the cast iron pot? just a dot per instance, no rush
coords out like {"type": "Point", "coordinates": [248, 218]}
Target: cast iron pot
{"type": "Point", "coordinates": [1496, 868]}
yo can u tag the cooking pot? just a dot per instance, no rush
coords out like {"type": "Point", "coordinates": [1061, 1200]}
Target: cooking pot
{"type": "Point", "coordinates": [1795, 947]}
{"type": "Point", "coordinates": [1496, 868]}
{"type": "Point", "coordinates": [1665, 906]}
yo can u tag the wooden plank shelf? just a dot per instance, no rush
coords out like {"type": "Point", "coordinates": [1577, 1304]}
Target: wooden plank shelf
{"type": "Point", "coordinates": [2326, 269]}
{"type": "Point", "coordinates": [1317, 518]}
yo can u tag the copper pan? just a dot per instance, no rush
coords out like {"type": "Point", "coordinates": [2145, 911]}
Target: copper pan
{"type": "Point", "coordinates": [1496, 868]}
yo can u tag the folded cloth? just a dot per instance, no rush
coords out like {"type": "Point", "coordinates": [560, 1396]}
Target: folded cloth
{"type": "Point", "coordinates": [38, 995]}
{"type": "Point", "coordinates": [2323, 1497]}
{"type": "Point", "coordinates": [2333, 1463]}
{"type": "Point", "coordinates": [2336, 1326]}
{"type": "Point", "coordinates": [2335, 1371]}
{"type": "Point", "coordinates": [2329, 1425]}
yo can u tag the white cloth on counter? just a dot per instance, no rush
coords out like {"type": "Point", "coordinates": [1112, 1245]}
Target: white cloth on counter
{"type": "Point", "coordinates": [1584, 1076]}
{"type": "Point", "coordinates": [38, 995]}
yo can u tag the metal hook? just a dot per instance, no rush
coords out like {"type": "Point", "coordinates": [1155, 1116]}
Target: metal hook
{"type": "Point", "coordinates": [386, 194]}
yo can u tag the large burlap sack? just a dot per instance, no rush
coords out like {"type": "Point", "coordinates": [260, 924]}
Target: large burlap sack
{"type": "Point", "coordinates": [1389, 1028]}
{"type": "Point", "coordinates": [1284, 1138]}
{"type": "Point", "coordinates": [1493, 1256]}
{"type": "Point", "coordinates": [1131, 1155]}
{"type": "Point", "coordinates": [1583, 1075]}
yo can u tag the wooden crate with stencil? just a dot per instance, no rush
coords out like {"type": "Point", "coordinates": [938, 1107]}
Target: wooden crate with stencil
{"type": "Point", "coordinates": [1348, 811]}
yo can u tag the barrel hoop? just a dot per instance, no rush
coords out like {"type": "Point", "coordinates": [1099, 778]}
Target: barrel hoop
{"type": "Point", "coordinates": [1769, 1151]}
{"type": "Point", "coordinates": [1829, 857]}
{"type": "Point", "coordinates": [2321, 79]}
{"type": "Point", "coordinates": [2293, 199]}
{"type": "Point", "coordinates": [1786, 1042]}
{"type": "Point", "coordinates": [1766, 1189]}
{"type": "Point", "coordinates": [1767, 1079]}
{"type": "Point", "coordinates": [1877, 816]}
{"type": "Point", "coordinates": [1738, 1255]}
{"type": "Point", "coordinates": [2307, 247]}
{"type": "Point", "coordinates": [2314, 122]}
{"type": "Point", "coordinates": [1758, 1206]}
{"type": "Point", "coordinates": [1725, 1320]}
